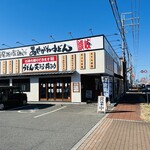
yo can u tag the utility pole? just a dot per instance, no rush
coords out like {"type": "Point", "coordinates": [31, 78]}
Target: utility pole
{"type": "Point", "coordinates": [126, 22]}
{"type": "Point", "coordinates": [124, 47]}
{"type": "Point", "coordinates": [120, 26]}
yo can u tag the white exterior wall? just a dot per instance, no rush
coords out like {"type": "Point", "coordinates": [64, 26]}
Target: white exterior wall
{"type": "Point", "coordinates": [76, 77]}
{"type": "Point", "coordinates": [76, 96]}
{"type": "Point", "coordinates": [33, 95]}
{"type": "Point", "coordinates": [99, 62]}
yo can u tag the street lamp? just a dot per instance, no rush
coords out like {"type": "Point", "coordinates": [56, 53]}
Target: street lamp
{"type": "Point", "coordinates": [35, 41]}
{"type": "Point", "coordinates": [117, 45]}
{"type": "Point", "coordinates": [91, 31]}
{"type": "Point", "coordinates": [52, 38]}
{"type": "Point", "coordinates": [70, 34]}
{"type": "Point", "coordinates": [112, 34]}
{"type": "Point", "coordinates": [5, 45]}
{"type": "Point", "coordinates": [118, 48]}
{"type": "Point", "coordinates": [115, 40]}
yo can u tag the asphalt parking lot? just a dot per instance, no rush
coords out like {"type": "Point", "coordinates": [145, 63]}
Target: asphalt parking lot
{"type": "Point", "coordinates": [46, 126]}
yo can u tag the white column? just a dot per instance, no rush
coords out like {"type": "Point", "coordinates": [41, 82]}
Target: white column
{"type": "Point", "coordinates": [76, 95]}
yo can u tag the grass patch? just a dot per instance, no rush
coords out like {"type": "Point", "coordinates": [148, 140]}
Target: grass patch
{"type": "Point", "coordinates": [145, 112]}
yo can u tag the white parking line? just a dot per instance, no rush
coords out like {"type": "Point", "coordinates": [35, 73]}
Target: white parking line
{"type": "Point", "coordinates": [20, 107]}
{"type": "Point", "coordinates": [49, 112]}
{"type": "Point", "coordinates": [28, 111]}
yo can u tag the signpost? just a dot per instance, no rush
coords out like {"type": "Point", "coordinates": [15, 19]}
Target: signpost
{"type": "Point", "coordinates": [147, 98]}
{"type": "Point", "coordinates": [101, 104]}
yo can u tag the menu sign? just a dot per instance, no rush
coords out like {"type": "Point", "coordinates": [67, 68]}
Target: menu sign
{"type": "Point", "coordinates": [39, 64]}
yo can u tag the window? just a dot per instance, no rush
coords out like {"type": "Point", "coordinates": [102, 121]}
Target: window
{"type": "Point", "coordinates": [4, 82]}
{"type": "Point", "coordinates": [24, 84]}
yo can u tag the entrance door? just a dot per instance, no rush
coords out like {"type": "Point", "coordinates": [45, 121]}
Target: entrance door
{"type": "Point", "coordinates": [59, 88]}
{"type": "Point", "coordinates": [50, 89]}
{"type": "Point", "coordinates": [43, 89]}
{"type": "Point", "coordinates": [90, 88]}
{"type": "Point", "coordinates": [55, 89]}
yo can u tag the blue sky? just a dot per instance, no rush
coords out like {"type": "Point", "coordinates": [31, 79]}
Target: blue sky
{"type": "Point", "coordinates": [23, 20]}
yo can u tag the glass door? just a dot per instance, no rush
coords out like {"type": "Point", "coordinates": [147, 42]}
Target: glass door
{"type": "Point", "coordinates": [59, 88]}
{"type": "Point", "coordinates": [43, 88]}
{"type": "Point", "coordinates": [55, 89]}
{"type": "Point", "coordinates": [51, 88]}
{"type": "Point", "coordinates": [66, 89]}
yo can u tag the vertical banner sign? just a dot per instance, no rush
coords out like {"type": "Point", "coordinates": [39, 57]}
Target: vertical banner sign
{"type": "Point", "coordinates": [39, 64]}
{"type": "Point", "coordinates": [105, 82]}
{"type": "Point", "coordinates": [101, 104]}
{"type": "Point", "coordinates": [110, 86]}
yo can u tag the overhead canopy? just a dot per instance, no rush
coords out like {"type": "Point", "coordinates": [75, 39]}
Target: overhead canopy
{"type": "Point", "coordinates": [38, 74]}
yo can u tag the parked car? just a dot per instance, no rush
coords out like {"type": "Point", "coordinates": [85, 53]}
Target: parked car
{"type": "Point", "coordinates": [148, 87]}
{"type": "Point", "coordinates": [11, 96]}
{"type": "Point", "coordinates": [141, 86]}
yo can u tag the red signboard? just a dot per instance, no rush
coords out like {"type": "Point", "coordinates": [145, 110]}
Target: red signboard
{"type": "Point", "coordinates": [84, 44]}
{"type": "Point", "coordinates": [39, 64]}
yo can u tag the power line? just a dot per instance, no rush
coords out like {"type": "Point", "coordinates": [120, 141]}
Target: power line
{"type": "Point", "coordinates": [120, 26]}
{"type": "Point", "coordinates": [135, 8]}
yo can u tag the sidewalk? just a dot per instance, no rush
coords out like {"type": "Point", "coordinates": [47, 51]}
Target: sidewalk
{"type": "Point", "coordinates": [121, 129]}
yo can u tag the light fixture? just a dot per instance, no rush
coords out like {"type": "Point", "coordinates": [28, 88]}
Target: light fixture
{"type": "Point", "coordinates": [52, 38]}
{"type": "Point", "coordinates": [115, 40]}
{"type": "Point", "coordinates": [70, 34]}
{"type": "Point", "coordinates": [19, 43]}
{"type": "Point", "coordinates": [116, 45]}
{"type": "Point", "coordinates": [91, 31]}
{"type": "Point", "coordinates": [112, 34]}
{"type": "Point", "coordinates": [5, 45]}
{"type": "Point", "coordinates": [118, 48]}
{"type": "Point", "coordinates": [35, 41]}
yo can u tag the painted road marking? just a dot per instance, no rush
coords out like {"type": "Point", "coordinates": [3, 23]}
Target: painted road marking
{"type": "Point", "coordinates": [28, 111]}
{"type": "Point", "coordinates": [49, 112]}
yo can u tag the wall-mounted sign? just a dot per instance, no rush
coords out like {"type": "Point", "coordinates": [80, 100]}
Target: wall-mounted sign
{"type": "Point", "coordinates": [39, 64]}
{"type": "Point", "coordinates": [63, 47]}
{"type": "Point", "coordinates": [76, 87]}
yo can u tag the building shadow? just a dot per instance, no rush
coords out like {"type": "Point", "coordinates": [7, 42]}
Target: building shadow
{"type": "Point", "coordinates": [120, 111]}
{"type": "Point", "coordinates": [29, 107]}
{"type": "Point", "coordinates": [133, 98]}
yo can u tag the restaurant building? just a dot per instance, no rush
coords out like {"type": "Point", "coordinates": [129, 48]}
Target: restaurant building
{"type": "Point", "coordinates": [77, 70]}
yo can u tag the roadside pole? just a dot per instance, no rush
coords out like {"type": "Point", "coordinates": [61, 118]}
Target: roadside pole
{"type": "Point", "coordinates": [147, 97]}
